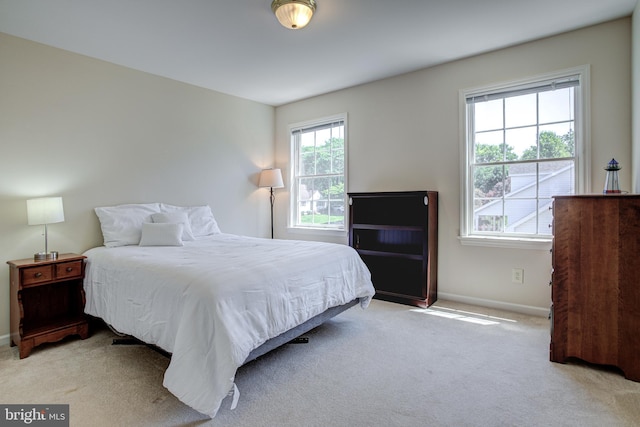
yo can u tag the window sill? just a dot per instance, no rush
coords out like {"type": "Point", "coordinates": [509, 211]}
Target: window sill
{"type": "Point", "coordinates": [507, 242]}
{"type": "Point", "coordinates": [318, 231]}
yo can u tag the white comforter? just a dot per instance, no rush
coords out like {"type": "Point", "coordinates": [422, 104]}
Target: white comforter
{"type": "Point", "coordinates": [211, 302]}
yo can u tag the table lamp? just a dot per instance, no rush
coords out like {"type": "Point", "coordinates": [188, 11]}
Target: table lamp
{"type": "Point", "coordinates": [45, 210]}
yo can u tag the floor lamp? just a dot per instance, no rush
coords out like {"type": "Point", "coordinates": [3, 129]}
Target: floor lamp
{"type": "Point", "coordinates": [271, 178]}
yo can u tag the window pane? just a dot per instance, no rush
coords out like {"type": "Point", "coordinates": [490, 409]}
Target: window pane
{"type": "Point", "coordinates": [488, 115]}
{"type": "Point", "coordinates": [490, 223]}
{"type": "Point", "coordinates": [545, 217]}
{"type": "Point", "coordinates": [556, 105]}
{"type": "Point", "coordinates": [556, 179]}
{"type": "Point", "coordinates": [521, 215]}
{"type": "Point", "coordinates": [523, 143]}
{"type": "Point", "coordinates": [488, 181]}
{"type": "Point", "coordinates": [307, 162]}
{"type": "Point", "coordinates": [337, 165]}
{"type": "Point", "coordinates": [520, 111]}
{"type": "Point", "coordinates": [522, 180]}
{"type": "Point", "coordinates": [489, 147]}
{"type": "Point", "coordinates": [336, 198]}
{"type": "Point", "coordinates": [323, 136]}
{"type": "Point", "coordinates": [323, 159]}
{"type": "Point", "coordinates": [556, 141]}
{"type": "Point", "coordinates": [307, 139]}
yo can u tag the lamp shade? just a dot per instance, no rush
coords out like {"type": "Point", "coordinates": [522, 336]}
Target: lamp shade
{"type": "Point", "coordinates": [293, 14]}
{"type": "Point", "coordinates": [271, 178]}
{"type": "Point", "coordinates": [45, 210]}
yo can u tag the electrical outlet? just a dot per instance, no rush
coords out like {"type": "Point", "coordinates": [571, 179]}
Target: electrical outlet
{"type": "Point", "coordinates": [517, 275]}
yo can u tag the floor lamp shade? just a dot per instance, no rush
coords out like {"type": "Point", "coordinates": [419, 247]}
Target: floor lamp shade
{"type": "Point", "coordinates": [271, 178]}
{"type": "Point", "coordinates": [43, 211]}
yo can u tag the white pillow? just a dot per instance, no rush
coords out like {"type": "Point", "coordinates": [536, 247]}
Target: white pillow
{"type": "Point", "coordinates": [122, 225]}
{"type": "Point", "coordinates": [161, 234]}
{"type": "Point", "coordinates": [200, 218]}
{"type": "Point", "coordinates": [177, 217]}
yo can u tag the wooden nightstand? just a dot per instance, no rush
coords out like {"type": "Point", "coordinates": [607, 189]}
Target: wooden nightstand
{"type": "Point", "coordinates": [47, 301]}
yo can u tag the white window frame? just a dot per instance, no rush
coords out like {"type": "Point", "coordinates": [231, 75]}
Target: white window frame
{"type": "Point", "coordinates": [293, 187]}
{"type": "Point", "coordinates": [582, 156]}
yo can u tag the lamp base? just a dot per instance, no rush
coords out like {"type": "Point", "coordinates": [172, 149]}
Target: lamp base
{"type": "Point", "coordinates": [45, 256]}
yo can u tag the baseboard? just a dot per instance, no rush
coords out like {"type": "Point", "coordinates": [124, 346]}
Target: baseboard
{"type": "Point", "coordinates": [517, 308]}
{"type": "Point", "coordinates": [4, 339]}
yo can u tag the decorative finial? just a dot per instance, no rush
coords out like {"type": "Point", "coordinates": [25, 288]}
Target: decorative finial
{"type": "Point", "coordinates": [612, 166]}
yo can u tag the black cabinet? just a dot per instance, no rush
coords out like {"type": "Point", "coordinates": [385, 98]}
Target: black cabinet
{"type": "Point", "coordinates": [396, 234]}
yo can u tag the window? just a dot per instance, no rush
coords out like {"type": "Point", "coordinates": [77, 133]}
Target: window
{"type": "Point", "coordinates": [524, 143]}
{"type": "Point", "coordinates": [318, 174]}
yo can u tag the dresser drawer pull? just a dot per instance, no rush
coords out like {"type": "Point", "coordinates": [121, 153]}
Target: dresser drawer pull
{"type": "Point", "coordinates": [38, 274]}
{"type": "Point", "coordinates": [69, 269]}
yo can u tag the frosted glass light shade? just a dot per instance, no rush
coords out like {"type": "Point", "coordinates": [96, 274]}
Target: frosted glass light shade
{"type": "Point", "coordinates": [45, 210]}
{"type": "Point", "coordinates": [293, 14]}
{"type": "Point", "coordinates": [271, 178]}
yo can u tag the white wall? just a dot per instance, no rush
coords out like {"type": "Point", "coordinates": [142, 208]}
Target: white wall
{"type": "Point", "coordinates": [403, 134]}
{"type": "Point", "coordinates": [99, 134]}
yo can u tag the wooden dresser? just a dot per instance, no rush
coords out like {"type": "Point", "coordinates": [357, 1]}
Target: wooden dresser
{"type": "Point", "coordinates": [595, 314]}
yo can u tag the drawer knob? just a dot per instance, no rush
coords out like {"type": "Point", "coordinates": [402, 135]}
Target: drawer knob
{"type": "Point", "coordinates": [69, 269]}
{"type": "Point", "coordinates": [38, 274]}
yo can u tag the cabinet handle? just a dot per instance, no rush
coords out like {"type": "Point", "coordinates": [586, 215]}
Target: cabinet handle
{"type": "Point", "coordinates": [69, 269]}
{"type": "Point", "coordinates": [38, 274]}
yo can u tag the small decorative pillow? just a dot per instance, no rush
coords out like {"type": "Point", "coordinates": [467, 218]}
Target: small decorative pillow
{"type": "Point", "coordinates": [176, 217]}
{"type": "Point", "coordinates": [161, 234]}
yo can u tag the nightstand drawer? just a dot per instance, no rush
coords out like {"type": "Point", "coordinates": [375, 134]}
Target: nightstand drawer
{"type": "Point", "coordinates": [68, 269]}
{"type": "Point", "coordinates": [34, 275]}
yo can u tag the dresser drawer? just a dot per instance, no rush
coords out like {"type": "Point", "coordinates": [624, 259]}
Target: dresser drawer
{"type": "Point", "coordinates": [68, 269]}
{"type": "Point", "coordinates": [33, 275]}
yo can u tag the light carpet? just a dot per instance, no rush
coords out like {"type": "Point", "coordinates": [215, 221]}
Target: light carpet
{"type": "Point", "coordinates": [388, 365]}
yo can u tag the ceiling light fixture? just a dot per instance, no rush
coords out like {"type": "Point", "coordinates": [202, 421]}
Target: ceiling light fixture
{"type": "Point", "coordinates": [293, 14]}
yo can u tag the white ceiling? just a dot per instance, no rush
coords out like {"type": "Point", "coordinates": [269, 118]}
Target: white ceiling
{"type": "Point", "coordinates": [239, 48]}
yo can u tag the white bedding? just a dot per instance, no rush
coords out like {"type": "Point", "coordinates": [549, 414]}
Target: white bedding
{"type": "Point", "coordinates": [211, 302]}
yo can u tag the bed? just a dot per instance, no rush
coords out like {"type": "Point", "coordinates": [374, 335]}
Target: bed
{"type": "Point", "coordinates": [168, 276]}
